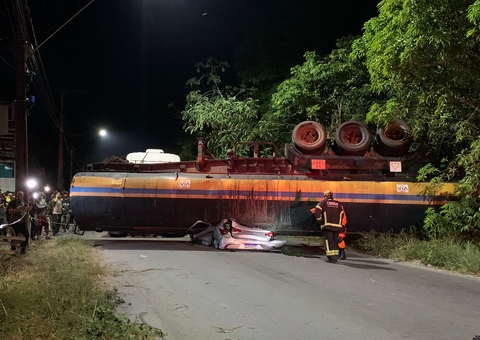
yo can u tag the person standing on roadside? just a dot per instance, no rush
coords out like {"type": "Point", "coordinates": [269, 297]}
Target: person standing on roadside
{"type": "Point", "coordinates": [42, 220]}
{"type": "Point", "coordinates": [3, 209]}
{"type": "Point", "coordinates": [19, 214]}
{"type": "Point", "coordinates": [3, 214]}
{"type": "Point", "coordinates": [33, 221]}
{"type": "Point", "coordinates": [9, 197]}
{"type": "Point", "coordinates": [66, 211]}
{"type": "Point", "coordinates": [55, 212]}
{"type": "Point", "coordinates": [331, 215]}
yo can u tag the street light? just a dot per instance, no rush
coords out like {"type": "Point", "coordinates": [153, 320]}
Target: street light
{"type": "Point", "coordinates": [101, 133]}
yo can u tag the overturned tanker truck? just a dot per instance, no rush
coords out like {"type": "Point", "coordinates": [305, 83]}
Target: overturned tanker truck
{"type": "Point", "coordinates": [375, 183]}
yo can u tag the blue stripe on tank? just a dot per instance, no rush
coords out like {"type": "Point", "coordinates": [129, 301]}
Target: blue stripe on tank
{"type": "Point", "coordinates": [233, 193]}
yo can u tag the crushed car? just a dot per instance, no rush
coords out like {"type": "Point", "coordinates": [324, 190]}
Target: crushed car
{"type": "Point", "coordinates": [230, 234]}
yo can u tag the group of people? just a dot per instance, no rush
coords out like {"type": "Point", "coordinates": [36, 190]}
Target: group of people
{"type": "Point", "coordinates": [43, 213]}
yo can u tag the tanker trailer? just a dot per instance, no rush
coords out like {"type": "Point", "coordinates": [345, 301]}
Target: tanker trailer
{"type": "Point", "coordinates": [377, 191]}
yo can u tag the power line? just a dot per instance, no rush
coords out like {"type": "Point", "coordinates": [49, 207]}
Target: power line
{"type": "Point", "coordinates": [51, 35]}
{"type": "Point", "coordinates": [6, 62]}
{"type": "Point", "coordinates": [32, 62]}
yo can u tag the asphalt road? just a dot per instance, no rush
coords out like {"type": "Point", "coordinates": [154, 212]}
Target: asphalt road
{"type": "Point", "coordinates": [195, 292]}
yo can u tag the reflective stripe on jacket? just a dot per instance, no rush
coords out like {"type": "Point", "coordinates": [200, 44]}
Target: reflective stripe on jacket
{"type": "Point", "coordinates": [332, 214]}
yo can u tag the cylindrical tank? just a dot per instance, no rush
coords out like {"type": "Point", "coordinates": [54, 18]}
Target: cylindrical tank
{"type": "Point", "coordinates": [169, 203]}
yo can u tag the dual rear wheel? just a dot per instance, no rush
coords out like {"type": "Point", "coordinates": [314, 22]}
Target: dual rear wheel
{"type": "Point", "coordinates": [353, 138]}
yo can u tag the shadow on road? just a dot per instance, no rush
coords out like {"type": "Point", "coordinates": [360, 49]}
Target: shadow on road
{"type": "Point", "coordinates": [375, 265]}
{"type": "Point", "coordinates": [353, 260]}
{"type": "Point", "coordinates": [132, 244]}
{"type": "Point", "coordinates": [185, 244]}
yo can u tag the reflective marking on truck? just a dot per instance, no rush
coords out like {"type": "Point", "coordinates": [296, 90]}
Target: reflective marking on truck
{"type": "Point", "coordinates": [287, 190]}
{"type": "Point", "coordinates": [185, 184]}
{"type": "Point", "coordinates": [260, 195]}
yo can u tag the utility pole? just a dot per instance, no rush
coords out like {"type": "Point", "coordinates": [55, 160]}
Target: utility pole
{"type": "Point", "coordinates": [20, 9]}
{"type": "Point", "coordinates": [61, 140]}
{"type": "Point", "coordinates": [61, 137]}
{"type": "Point", "coordinates": [21, 136]}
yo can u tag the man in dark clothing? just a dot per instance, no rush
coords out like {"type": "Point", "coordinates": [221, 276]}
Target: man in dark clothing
{"type": "Point", "coordinates": [66, 211]}
{"type": "Point", "coordinates": [18, 210]}
{"type": "Point", "coordinates": [331, 215]}
{"type": "Point", "coordinates": [54, 209]}
{"type": "Point", "coordinates": [42, 218]}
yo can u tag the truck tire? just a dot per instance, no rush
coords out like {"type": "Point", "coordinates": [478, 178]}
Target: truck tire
{"type": "Point", "coordinates": [352, 139]}
{"type": "Point", "coordinates": [309, 138]}
{"type": "Point", "coordinates": [395, 140]}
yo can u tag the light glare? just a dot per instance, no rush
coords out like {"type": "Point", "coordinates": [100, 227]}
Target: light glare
{"type": "Point", "coordinates": [31, 183]}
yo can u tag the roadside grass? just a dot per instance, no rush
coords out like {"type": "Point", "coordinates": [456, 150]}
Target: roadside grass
{"type": "Point", "coordinates": [60, 290]}
{"type": "Point", "coordinates": [451, 254]}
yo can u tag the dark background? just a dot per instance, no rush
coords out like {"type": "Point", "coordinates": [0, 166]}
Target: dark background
{"type": "Point", "coordinates": [123, 61]}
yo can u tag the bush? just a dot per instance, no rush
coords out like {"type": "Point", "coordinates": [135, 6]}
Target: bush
{"type": "Point", "coordinates": [380, 244]}
{"type": "Point", "coordinates": [451, 254]}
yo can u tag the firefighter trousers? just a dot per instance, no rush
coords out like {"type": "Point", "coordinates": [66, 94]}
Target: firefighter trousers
{"type": "Point", "coordinates": [331, 245]}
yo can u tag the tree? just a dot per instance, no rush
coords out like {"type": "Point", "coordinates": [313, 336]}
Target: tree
{"type": "Point", "coordinates": [276, 38]}
{"type": "Point", "coordinates": [330, 90]}
{"type": "Point", "coordinates": [223, 116]}
{"type": "Point", "coordinates": [424, 55]}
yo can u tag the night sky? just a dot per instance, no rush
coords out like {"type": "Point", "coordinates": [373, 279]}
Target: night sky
{"type": "Point", "coordinates": [125, 60]}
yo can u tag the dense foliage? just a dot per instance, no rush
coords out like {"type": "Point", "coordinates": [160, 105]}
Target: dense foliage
{"type": "Point", "coordinates": [417, 60]}
{"type": "Point", "coordinates": [222, 115]}
{"type": "Point", "coordinates": [330, 90]}
{"type": "Point", "coordinates": [424, 56]}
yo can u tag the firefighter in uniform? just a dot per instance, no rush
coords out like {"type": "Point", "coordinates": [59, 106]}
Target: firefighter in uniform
{"type": "Point", "coordinates": [331, 215]}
